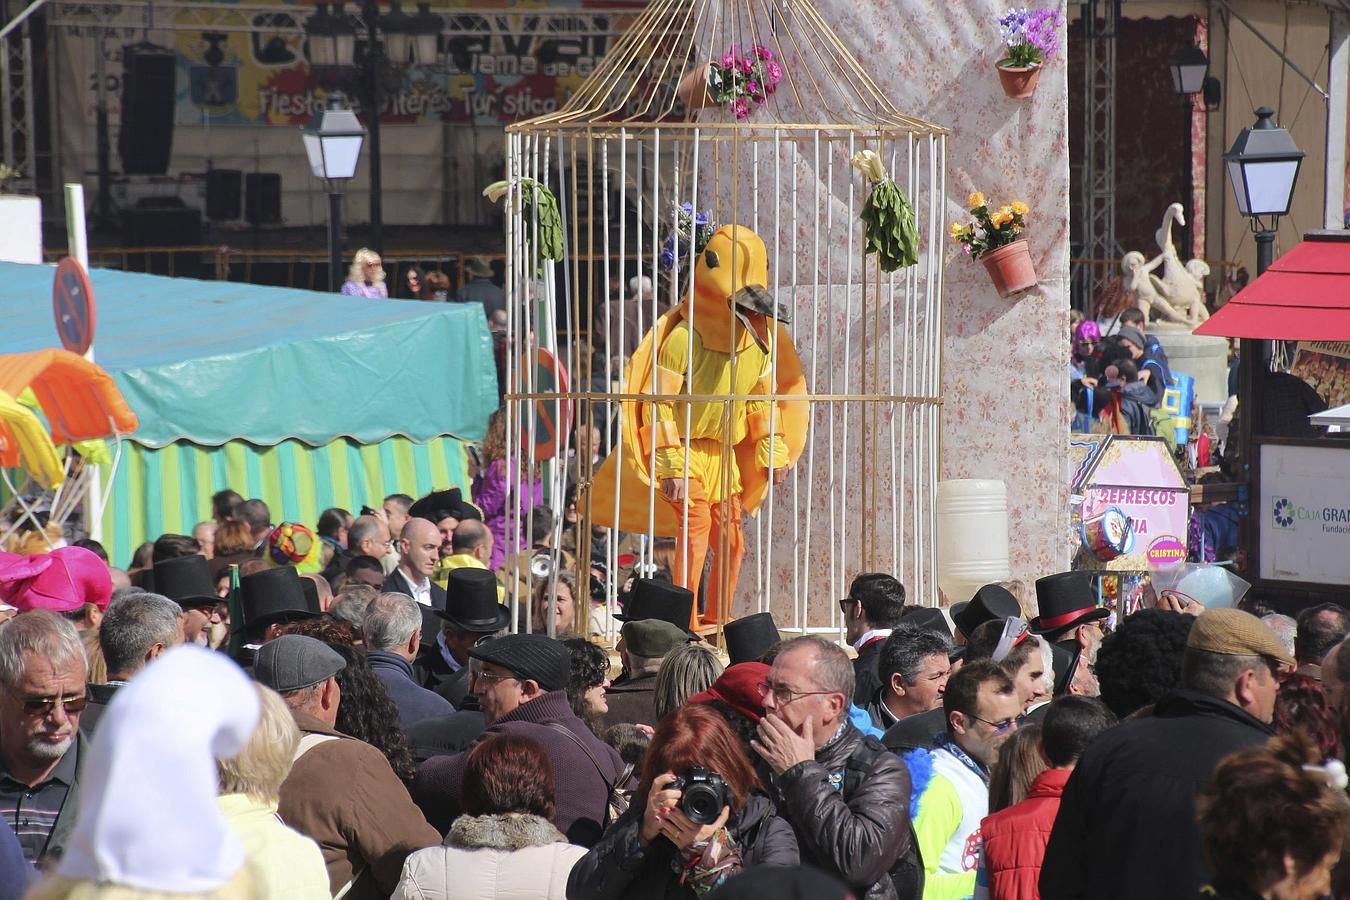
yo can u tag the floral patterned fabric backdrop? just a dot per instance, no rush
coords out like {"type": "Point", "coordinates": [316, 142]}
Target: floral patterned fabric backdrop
{"type": "Point", "coordinates": [1004, 389]}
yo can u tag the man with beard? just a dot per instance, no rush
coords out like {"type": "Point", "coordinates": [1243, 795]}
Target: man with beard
{"type": "Point", "coordinates": [42, 692]}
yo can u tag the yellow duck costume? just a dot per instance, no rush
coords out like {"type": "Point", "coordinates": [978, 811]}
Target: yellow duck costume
{"type": "Point", "coordinates": [722, 343]}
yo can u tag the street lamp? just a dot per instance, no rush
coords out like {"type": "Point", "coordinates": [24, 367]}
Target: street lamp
{"type": "Point", "coordinates": [333, 141]}
{"type": "Point", "coordinates": [1189, 68]}
{"type": "Point", "coordinates": [1263, 168]}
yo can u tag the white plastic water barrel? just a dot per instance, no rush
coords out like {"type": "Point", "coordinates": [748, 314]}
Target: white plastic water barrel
{"type": "Point", "coordinates": [972, 535]}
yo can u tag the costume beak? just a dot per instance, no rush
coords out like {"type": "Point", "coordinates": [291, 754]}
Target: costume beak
{"type": "Point", "coordinates": [756, 298]}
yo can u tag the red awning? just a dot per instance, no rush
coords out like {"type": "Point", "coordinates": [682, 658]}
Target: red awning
{"type": "Point", "coordinates": [1303, 296]}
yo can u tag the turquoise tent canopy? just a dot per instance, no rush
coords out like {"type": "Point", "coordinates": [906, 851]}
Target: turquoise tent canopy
{"type": "Point", "coordinates": [303, 399]}
{"type": "Point", "coordinates": [215, 361]}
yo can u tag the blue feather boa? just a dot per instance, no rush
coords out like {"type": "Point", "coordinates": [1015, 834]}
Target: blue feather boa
{"type": "Point", "coordinates": [919, 761]}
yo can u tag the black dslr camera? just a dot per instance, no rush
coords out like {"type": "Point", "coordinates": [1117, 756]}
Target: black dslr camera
{"type": "Point", "coordinates": [704, 795]}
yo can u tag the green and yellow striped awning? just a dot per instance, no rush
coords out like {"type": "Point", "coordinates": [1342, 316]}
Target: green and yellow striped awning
{"type": "Point", "coordinates": [168, 489]}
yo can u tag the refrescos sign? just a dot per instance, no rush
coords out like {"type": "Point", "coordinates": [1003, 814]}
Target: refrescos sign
{"type": "Point", "coordinates": [1134, 507]}
{"type": "Point", "coordinates": [1305, 514]}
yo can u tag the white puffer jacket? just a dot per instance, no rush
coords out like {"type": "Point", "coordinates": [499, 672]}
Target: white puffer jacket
{"type": "Point", "coordinates": [502, 857]}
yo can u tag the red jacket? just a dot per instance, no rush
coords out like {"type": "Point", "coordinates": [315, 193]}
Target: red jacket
{"type": "Point", "coordinates": [1015, 838]}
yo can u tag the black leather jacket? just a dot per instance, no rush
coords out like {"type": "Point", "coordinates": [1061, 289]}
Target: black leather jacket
{"type": "Point", "coordinates": [621, 866]}
{"type": "Point", "coordinates": [858, 838]}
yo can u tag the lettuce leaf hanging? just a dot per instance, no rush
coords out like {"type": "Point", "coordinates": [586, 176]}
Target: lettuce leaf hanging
{"type": "Point", "coordinates": [889, 224]}
{"type": "Point", "coordinates": [537, 205]}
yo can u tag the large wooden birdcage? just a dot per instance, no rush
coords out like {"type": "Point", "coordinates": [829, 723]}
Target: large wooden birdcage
{"type": "Point", "coordinates": [645, 135]}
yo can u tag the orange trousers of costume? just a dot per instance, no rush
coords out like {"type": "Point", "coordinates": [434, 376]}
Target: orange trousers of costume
{"type": "Point", "coordinates": [715, 526]}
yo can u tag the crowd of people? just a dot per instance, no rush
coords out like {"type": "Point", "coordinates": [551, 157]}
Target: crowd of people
{"type": "Point", "coordinates": [402, 736]}
{"type": "Point", "coordinates": [1118, 375]}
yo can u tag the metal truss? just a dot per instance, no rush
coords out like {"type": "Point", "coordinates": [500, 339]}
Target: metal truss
{"type": "Point", "coordinates": [1097, 183]}
{"type": "Point", "coordinates": [16, 94]}
{"type": "Point", "coordinates": [283, 18]}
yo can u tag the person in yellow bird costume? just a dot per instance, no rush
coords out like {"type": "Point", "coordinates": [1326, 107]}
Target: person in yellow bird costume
{"type": "Point", "coordinates": [727, 346]}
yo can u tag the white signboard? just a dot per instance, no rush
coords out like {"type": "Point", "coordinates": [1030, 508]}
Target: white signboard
{"type": "Point", "coordinates": [1304, 514]}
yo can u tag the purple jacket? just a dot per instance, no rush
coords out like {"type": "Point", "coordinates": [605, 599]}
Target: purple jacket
{"type": "Point", "coordinates": [489, 495]}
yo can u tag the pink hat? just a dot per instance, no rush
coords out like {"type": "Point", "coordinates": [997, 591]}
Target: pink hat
{"type": "Point", "coordinates": [62, 580]}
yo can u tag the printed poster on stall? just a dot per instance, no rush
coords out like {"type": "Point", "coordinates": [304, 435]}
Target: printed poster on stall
{"type": "Point", "coordinates": [1134, 507]}
{"type": "Point", "coordinates": [1326, 366]}
{"type": "Point", "coordinates": [1304, 515]}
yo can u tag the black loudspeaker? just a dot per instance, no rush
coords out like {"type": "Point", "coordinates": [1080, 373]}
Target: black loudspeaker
{"type": "Point", "coordinates": [262, 201]}
{"type": "Point", "coordinates": [224, 194]}
{"type": "Point", "coordinates": [163, 222]}
{"type": "Point", "coordinates": [146, 138]}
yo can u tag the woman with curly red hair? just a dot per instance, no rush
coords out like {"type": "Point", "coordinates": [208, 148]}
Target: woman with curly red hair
{"type": "Point", "coordinates": [1273, 821]}
{"type": "Point", "coordinates": [655, 850]}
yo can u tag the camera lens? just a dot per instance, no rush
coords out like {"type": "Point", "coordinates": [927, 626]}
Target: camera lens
{"type": "Point", "coordinates": [701, 804]}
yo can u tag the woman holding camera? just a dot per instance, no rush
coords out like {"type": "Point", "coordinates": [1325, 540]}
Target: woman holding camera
{"type": "Point", "coordinates": [698, 818]}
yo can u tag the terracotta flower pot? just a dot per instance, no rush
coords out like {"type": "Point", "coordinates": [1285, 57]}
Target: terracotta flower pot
{"type": "Point", "coordinates": [1010, 268]}
{"type": "Point", "coordinates": [1019, 82]}
{"type": "Point", "coordinates": [693, 88]}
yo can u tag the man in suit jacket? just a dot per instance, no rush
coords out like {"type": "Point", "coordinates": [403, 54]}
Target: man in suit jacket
{"type": "Point", "coordinates": [871, 609]}
{"type": "Point", "coordinates": [419, 548]}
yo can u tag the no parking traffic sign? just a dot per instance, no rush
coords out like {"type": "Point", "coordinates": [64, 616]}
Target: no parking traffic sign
{"type": "Point", "coordinates": [73, 306]}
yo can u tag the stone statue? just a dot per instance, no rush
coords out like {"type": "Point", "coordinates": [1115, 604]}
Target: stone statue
{"type": "Point", "coordinates": [1174, 299]}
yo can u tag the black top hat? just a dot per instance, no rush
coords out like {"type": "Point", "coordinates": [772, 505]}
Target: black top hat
{"type": "Point", "coordinates": [311, 590]}
{"type": "Point", "coordinates": [1066, 658]}
{"type": "Point", "coordinates": [449, 501]}
{"type": "Point", "coordinates": [928, 618]}
{"type": "Point", "coordinates": [653, 599]}
{"type": "Point", "coordinates": [992, 601]}
{"type": "Point", "coordinates": [750, 637]}
{"type": "Point", "coordinates": [273, 595]}
{"type": "Point", "coordinates": [186, 580]}
{"type": "Point", "coordinates": [471, 602]}
{"type": "Point", "coordinates": [1065, 600]}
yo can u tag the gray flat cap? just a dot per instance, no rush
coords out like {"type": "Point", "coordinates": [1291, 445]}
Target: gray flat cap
{"type": "Point", "coordinates": [293, 662]}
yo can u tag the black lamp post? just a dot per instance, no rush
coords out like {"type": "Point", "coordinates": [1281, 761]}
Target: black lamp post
{"type": "Point", "coordinates": [1189, 69]}
{"type": "Point", "coordinates": [1263, 168]}
{"type": "Point", "coordinates": [333, 140]}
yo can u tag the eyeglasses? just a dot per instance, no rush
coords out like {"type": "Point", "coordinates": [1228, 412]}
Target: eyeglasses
{"type": "Point", "coordinates": [999, 727]}
{"type": "Point", "coordinates": [844, 604]}
{"type": "Point", "coordinates": [493, 676]}
{"type": "Point", "coordinates": [782, 696]}
{"type": "Point", "coordinates": [43, 706]}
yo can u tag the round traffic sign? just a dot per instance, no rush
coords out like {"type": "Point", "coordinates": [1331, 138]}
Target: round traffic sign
{"type": "Point", "coordinates": [545, 374]}
{"type": "Point", "coordinates": [73, 306]}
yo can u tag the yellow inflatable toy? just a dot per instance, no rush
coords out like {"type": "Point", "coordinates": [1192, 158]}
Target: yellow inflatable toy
{"type": "Point", "coordinates": [720, 345]}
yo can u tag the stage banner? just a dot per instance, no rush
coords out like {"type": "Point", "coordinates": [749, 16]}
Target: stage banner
{"type": "Point", "coordinates": [250, 66]}
{"type": "Point", "coordinates": [1326, 366]}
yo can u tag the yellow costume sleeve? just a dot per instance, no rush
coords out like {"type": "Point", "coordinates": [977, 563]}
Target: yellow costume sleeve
{"type": "Point", "coordinates": [758, 414]}
{"type": "Point", "coordinates": [672, 365]}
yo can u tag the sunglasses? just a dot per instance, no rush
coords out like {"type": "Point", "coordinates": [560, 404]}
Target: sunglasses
{"type": "Point", "coordinates": [43, 706]}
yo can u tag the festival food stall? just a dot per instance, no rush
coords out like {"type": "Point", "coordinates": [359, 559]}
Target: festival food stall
{"type": "Point", "coordinates": [1130, 512]}
{"type": "Point", "coordinates": [305, 400]}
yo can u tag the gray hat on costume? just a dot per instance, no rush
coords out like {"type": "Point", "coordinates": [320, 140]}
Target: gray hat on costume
{"type": "Point", "coordinates": [294, 662]}
{"type": "Point", "coordinates": [530, 657]}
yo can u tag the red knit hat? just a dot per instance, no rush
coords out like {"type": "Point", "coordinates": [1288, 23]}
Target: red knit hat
{"type": "Point", "coordinates": [738, 687]}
